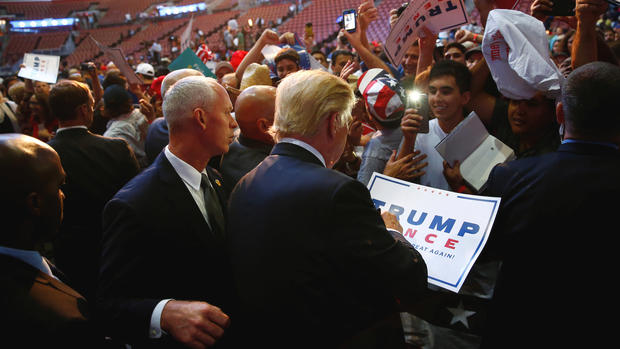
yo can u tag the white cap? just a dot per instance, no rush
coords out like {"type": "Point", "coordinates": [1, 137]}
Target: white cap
{"type": "Point", "coordinates": [233, 24]}
{"type": "Point", "coordinates": [145, 69]}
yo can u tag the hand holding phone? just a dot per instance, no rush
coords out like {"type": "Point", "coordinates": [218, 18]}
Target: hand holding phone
{"type": "Point", "coordinates": [419, 102]}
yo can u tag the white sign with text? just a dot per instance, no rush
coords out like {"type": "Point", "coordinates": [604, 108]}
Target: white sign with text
{"type": "Point", "coordinates": [448, 229]}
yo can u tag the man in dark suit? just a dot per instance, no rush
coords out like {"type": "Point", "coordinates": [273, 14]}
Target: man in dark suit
{"type": "Point", "coordinates": [311, 255]}
{"type": "Point", "coordinates": [554, 223]}
{"type": "Point", "coordinates": [38, 308]}
{"type": "Point", "coordinates": [254, 111]}
{"type": "Point", "coordinates": [163, 276]}
{"type": "Point", "coordinates": [97, 167]}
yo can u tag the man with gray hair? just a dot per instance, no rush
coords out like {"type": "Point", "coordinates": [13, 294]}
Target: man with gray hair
{"type": "Point", "coordinates": [157, 135]}
{"type": "Point", "coordinates": [163, 275]}
{"type": "Point", "coordinates": [310, 253]}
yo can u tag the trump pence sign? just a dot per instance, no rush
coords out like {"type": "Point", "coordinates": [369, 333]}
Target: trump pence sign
{"type": "Point", "coordinates": [448, 229]}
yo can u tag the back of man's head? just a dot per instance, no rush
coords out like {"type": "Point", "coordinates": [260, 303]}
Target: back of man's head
{"type": "Point", "coordinates": [175, 76]}
{"type": "Point", "coordinates": [590, 101]}
{"type": "Point", "coordinates": [116, 101]}
{"type": "Point", "coordinates": [458, 70]}
{"type": "Point", "coordinates": [305, 98]}
{"type": "Point", "coordinates": [65, 97]}
{"type": "Point", "coordinates": [187, 94]}
{"type": "Point", "coordinates": [31, 174]}
{"type": "Point", "coordinates": [254, 105]}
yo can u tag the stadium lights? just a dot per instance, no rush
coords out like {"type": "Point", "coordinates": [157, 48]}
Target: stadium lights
{"type": "Point", "coordinates": [175, 10]}
{"type": "Point", "coordinates": [41, 23]}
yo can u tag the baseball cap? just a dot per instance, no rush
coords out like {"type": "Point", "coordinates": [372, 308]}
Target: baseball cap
{"type": "Point", "coordinates": [384, 97]}
{"type": "Point", "coordinates": [145, 69]}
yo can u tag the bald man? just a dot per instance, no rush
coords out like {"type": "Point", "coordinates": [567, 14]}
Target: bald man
{"type": "Point", "coordinates": [254, 112]}
{"type": "Point", "coordinates": [157, 135]}
{"type": "Point", "coordinates": [38, 309]}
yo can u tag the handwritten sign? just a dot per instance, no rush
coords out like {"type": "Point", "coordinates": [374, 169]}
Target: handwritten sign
{"type": "Point", "coordinates": [436, 15]}
{"type": "Point", "coordinates": [448, 229]}
{"type": "Point", "coordinates": [40, 67]}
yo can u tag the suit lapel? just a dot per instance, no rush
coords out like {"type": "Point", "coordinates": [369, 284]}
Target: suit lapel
{"type": "Point", "coordinates": [181, 200]}
{"type": "Point", "coordinates": [45, 279]}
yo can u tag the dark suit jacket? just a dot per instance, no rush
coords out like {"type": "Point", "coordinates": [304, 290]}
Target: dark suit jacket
{"type": "Point", "coordinates": [312, 260]}
{"type": "Point", "coordinates": [96, 167]}
{"type": "Point", "coordinates": [157, 245]}
{"type": "Point", "coordinates": [553, 231]}
{"type": "Point", "coordinates": [156, 139]}
{"type": "Point", "coordinates": [242, 156]}
{"type": "Point", "coordinates": [39, 311]}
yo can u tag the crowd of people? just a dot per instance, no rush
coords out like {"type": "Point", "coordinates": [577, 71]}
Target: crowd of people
{"type": "Point", "coordinates": [190, 211]}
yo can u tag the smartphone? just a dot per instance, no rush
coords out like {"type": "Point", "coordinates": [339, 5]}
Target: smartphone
{"type": "Point", "coordinates": [350, 22]}
{"type": "Point", "coordinates": [419, 102]}
{"type": "Point", "coordinates": [309, 30]}
{"type": "Point", "coordinates": [563, 8]}
{"type": "Point", "coordinates": [402, 8]}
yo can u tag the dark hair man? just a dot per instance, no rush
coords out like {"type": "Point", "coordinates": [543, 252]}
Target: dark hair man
{"type": "Point", "coordinates": [556, 198]}
{"type": "Point", "coordinates": [97, 167]}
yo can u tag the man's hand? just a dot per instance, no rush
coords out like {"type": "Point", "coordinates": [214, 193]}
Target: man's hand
{"type": "Point", "coordinates": [588, 11]}
{"type": "Point", "coordinates": [268, 37]}
{"type": "Point", "coordinates": [393, 16]}
{"type": "Point", "coordinates": [410, 123]}
{"type": "Point", "coordinates": [406, 168]}
{"type": "Point", "coordinates": [195, 324]}
{"type": "Point", "coordinates": [349, 68]}
{"type": "Point", "coordinates": [147, 110]}
{"type": "Point", "coordinates": [540, 9]}
{"type": "Point", "coordinates": [367, 13]}
{"type": "Point", "coordinates": [391, 222]}
{"type": "Point", "coordinates": [453, 175]}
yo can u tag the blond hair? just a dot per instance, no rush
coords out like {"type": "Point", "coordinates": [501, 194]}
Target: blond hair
{"type": "Point", "coordinates": [305, 98]}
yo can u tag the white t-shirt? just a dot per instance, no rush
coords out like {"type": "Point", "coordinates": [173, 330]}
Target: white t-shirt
{"type": "Point", "coordinates": [426, 142]}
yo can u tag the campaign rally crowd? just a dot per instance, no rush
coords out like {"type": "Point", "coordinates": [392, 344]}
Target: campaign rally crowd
{"type": "Point", "coordinates": [233, 211]}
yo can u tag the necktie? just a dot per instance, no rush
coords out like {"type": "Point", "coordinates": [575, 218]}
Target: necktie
{"type": "Point", "coordinates": [212, 203]}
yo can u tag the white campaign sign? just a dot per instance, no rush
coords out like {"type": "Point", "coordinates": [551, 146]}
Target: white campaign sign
{"type": "Point", "coordinates": [436, 15]}
{"type": "Point", "coordinates": [40, 67]}
{"type": "Point", "coordinates": [448, 229]}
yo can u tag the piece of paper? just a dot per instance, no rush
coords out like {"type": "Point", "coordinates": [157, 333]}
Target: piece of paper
{"type": "Point", "coordinates": [116, 55]}
{"type": "Point", "coordinates": [436, 15]}
{"type": "Point", "coordinates": [475, 149]}
{"type": "Point", "coordinates": [448, 229]}
{"type": "Point", "coordinates": [40, 67]}
{"type": "Point", "coordinates": [189, 59]}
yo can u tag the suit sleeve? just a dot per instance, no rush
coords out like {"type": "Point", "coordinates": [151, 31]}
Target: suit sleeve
{"type": "Point", "coordinates": [124, 313]}
{"type": "Point", "coordinates": [366, 248]}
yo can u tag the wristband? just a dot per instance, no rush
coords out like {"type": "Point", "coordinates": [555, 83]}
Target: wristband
{"type": "Point", "coordinates": [475, 37]}
{"type": "Point", "coordinates": [461, 189]}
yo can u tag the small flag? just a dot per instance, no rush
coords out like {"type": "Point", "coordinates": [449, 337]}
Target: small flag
{"type": "Point", "coordinates": [204, 53]}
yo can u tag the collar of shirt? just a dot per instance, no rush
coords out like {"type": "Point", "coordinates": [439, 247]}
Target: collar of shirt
{"type": "Point", "coordinates": [306, 146]}
{"type": "Point", "coordinates": [606, 144]}
{"type": "Point", "coordinates": [187, 173]}
{"type": "Point", "coordinates": [71, 127]}
{"type": "Point", "coordinates": [30, 257]}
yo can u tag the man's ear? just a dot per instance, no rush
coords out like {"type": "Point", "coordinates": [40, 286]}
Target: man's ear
{"type": "Point", "coordinates": [559, 113]}
{"type": "Point", "coordinates": [263, 125]}
{"type": "Point", "coordinates": [332, 124]}
{"type": "Point", "coordinates": [33, 204]}
{"type": "Point", "coordinates": [466, 97]}
{"type": "Point", "coordinates": [200, 116]}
